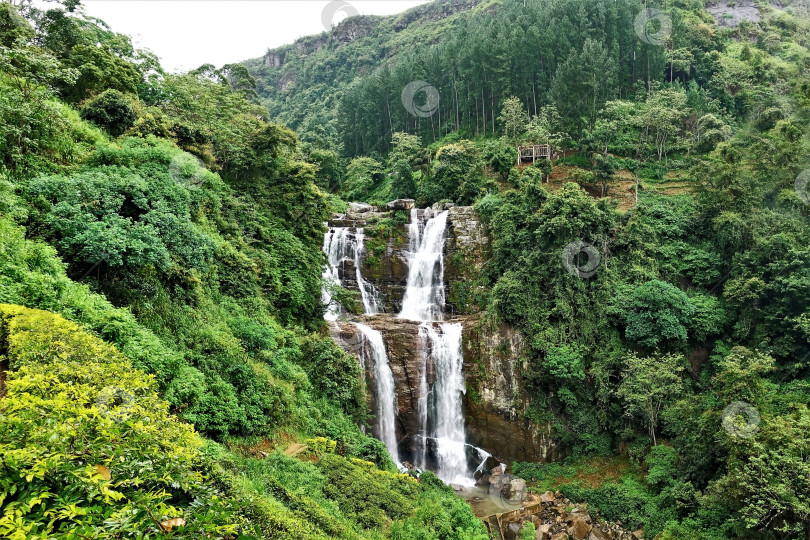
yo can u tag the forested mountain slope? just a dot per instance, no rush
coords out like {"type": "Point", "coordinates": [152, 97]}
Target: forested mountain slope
{"type": "Point", "coordinates": [161, 326]}
{"type": "Point", "coordinates": [681, 169]}
{"type": "Point", "coordinates": [302, 84]}
{"type": "Point", "coordinates": [171, 233]}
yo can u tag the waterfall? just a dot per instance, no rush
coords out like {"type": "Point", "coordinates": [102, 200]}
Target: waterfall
{"type": "Point", "coordinates": [441, 441]}
{"type": "Point", "coordinates": [424, 293]}
{"type": "Point", "coordinates": [441, 418]}
{"type": "Point", "coordinates": [383, 387]}
{"type": "Point", "coordinates": [445, 402]}
{"type": "Point", "coordinates": [340, 245]}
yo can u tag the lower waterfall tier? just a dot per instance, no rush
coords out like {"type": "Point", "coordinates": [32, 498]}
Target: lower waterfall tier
{"type": "Point", "coordinates": [492, 404]}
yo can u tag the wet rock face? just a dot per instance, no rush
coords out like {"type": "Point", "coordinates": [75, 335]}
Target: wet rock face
{"type": "Point", "coordinates": [496, 402]}
{"type": "Point", "coordinates": [385, 265]}
{"type": "Point", "coordinates": [405, 354]}
{"type": "Point", "coordinates": [466, 250]}
{"type": "Point", "coordinates": [385, 255]}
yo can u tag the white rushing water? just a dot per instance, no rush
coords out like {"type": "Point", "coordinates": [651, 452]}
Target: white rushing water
{"type": "Point", "coordinates": [373, 350]}
{"type": "Point", "coordinates": [339, 245]}
{"type": "Point", "coordinates": [424, 294]}
{"type": "Point", "coordinates": [445, 403]}
{"type": "Point", "coordinates": [440, 412]}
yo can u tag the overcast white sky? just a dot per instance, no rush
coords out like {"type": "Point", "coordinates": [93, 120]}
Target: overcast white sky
{"type": "Point", "coordinates": [188, 33]}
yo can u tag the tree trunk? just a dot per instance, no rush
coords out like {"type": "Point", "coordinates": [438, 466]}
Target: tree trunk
{"type": "Point", "coordinates": [3, 368]}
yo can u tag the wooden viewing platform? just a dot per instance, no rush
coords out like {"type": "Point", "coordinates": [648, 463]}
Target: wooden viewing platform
{"type": "Point", "coordinates": [534, 152]}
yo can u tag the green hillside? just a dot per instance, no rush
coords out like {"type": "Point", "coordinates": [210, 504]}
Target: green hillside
{"type": "Point", "coordinates": [682, 156]}
{"type": "Point", "coordinates": [162, 341]}
{"type": "Point", "coordinates": [179, 232]}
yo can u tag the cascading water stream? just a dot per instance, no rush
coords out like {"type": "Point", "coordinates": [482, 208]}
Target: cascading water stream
{"type": "Point", "coordinates": [373, 349]}
{"type": "Point", "coordinates": [439, 408]}
{"type": "Point", "coordinates": [339, 245]}
{"type": "Point", "coordinates": [446, 403]}
{"type": "Point", "coordinates": [424, 293]}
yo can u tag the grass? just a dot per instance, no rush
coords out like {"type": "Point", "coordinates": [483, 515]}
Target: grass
{"type": "Point", "coordinates": [584, 472]}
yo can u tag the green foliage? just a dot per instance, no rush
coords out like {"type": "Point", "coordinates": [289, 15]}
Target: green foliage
{"type": "Point", "coordinates": [13, 27]}
{"type": "Point", "coordinates": [111, 110]}
{"type": "Point", "coordinates": [330, 171]}
{"type": "Point", "coordinates": [407, 147]}
{"type": "Point", "coordinates": [88, 447]}
{"type": "Point", "coordinates": [339, 497]}
{"type": "Point", "coordinates": [527, 532]}
{"type": "Point", "coordinates": [334, 373]}
{"type": "Point", "coordinates": [661, 466]}
{"type": "Point", "coordinates": [213, 257]}
{"type": "Point", "coordinates": [403, 185]}
{"type": "Point", "coordinates": [658, 313]}
{"type": "Point", "coordinates": [648, 384]}
{"type": "Point", "coordinates": [500, 157]}
{"type": "Point", "coordinates": [469, 58]}
{"type": "Point", "coordinates": [362, 175]}
{"type": "Point", "coordinates": [564, 363]}
{"type": "Point", "coordinates": [458, 173]}
{"type": "Point", "coordinates": [365, 492]}
{"type": "Point", "coordinates": [513, 119]}
{"type": "Point", "coordinates": [152, 229]}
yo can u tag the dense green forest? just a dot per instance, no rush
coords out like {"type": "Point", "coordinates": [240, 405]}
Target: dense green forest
{"type": "Point", "coordinates": [161, 321]}
{"type": "Point", "coordinates": [683, 159]}
{"type": "Point", "coordinates": [163, 236]}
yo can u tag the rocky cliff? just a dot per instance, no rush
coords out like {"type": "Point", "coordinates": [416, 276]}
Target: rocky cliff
{"type": "Point", "coordinates": [496, 404]}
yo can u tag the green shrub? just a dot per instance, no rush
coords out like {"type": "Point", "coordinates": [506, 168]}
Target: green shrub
{"type": "Point", "coordinates": [365, 492]}
{"type": "Point", "coordinates": [653, 171]}
{"type": "Point", "coordinates": [112, 111]}
{"type": "Point", "coordinates": [577, 160]}
{"type": "Point", "coordinates": [86, 445]}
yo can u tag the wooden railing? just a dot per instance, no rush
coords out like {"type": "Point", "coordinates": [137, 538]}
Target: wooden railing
{"type": "Point", "coordinates": [534, 152]}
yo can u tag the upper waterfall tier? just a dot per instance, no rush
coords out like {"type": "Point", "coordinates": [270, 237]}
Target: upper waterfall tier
{"type": "Point", "coordinates": [424, 294]}
{"type": "Point", "coordinates": [344, 247]}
